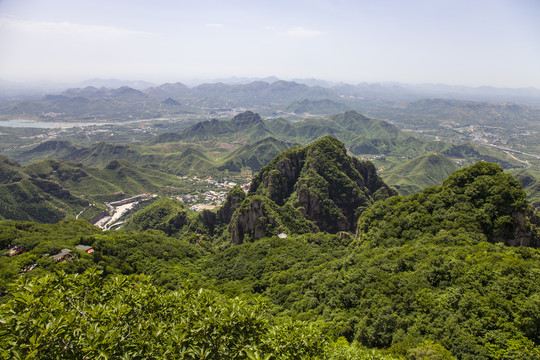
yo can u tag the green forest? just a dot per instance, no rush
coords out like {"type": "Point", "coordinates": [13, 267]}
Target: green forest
{"type": "Point", "coordinates": [320, 259]}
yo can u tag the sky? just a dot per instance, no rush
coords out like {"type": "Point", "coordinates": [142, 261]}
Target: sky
{"type": "Point", "coordinates": [455, 42]}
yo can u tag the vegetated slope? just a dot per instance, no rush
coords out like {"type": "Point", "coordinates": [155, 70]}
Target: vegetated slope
{"type": "Point", "coordinates": [476, 299]}
{"type": "Point", "coordinates": [183, 159]}
{"type": "Point", "coordinates": [416, 174]}
{"type": "Point", "coordinates": [428, 273]}
{"type": "Point", "coordinates": [318, 186]}
{"type": "Point", "coordinates": [89, 103]}
{"type": "Point", "coordinates": [357, 123]}
{"type": "Point", "coordinates": [117, 176]}
{"type": "Point", "coordinates": [10, 171]}
{"type": "Point", "coordinates": [481, 203]}
{"type": "Point", "coordinates": [459, 113]}
{"type": "Point", "coordinates": [255, 155]}
{"type": "Point", "coordinates": [437, 160]}
{"type": "Point", "coordinates": [51, 149]}
{"type": "Point", "coordinates": [530, 181]}
{"type": "Point", "coordinates": [427, 266]}
{"type": "Point", "coordinates": [97, 155]}
{"type": "Point", "coordinates": [471, 153]}
{"type": "Point", "coordinates": [24, 197]}
{"type": "Point", "coordinates": [53, 190]}
{"type": "Point", "coordinates": [208, 147]}
{"type": "Point", "coordinates": [165, 214]}
{"type": "Point", "coordinates": [246, 124]}
{"type": "Point", "coordinates": [148, 322]}
{"type": "Point", "coordinates": [361, 135]}
{"type": "Point", "coordinates": [190, 161]}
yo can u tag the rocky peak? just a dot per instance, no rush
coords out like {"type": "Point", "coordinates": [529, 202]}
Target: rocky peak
{"type": "Point", "coordinates": [321, 182]}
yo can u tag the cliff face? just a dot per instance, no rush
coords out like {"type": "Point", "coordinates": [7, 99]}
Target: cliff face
{"type": "Point", "coordinates": [522, 228]}
{"type": "Point", "coordinates": [318, 183]}
{"type": "Point", "coordinates": [233, 200]}
{"type": "Point", "coordinates": [258, 216]}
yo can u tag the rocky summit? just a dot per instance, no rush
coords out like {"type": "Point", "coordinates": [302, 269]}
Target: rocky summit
{"type": "Point", "coordinates": [317, 187]}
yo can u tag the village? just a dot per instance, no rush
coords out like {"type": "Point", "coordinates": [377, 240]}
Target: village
{"type": "Point", "coordinates": [205, 194]}
{"type": "Point", "coordinates": [211, 194]}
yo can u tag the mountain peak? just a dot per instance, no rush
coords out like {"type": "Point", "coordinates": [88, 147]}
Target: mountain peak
{"type": "Point", "coordinates": [246, 118]}
{"type": "Point", "coordinates": [170, 101]}
{"type": "Point", "coordinates": [318, 186]}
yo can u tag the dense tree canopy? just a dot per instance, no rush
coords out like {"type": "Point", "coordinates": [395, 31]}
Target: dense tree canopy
{"type": "Point", "coordinates": [427, 276]}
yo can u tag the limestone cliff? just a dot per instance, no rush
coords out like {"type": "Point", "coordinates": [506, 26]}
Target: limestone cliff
{"type": "Point", "coordinates": [319, 183]}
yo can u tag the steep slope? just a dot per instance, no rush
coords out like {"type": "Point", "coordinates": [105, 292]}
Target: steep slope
{"type": "Point", "coordinates": [421, 172]}
{"type": "Point", "coordinates": [530, 181]}
{"type": "Point", "coordinates": [318, 186]}
{"type": "Point", "coordinates": [246, 124]}
{"type": "Point", "coordinates": [347, 127]}
{"type": "Point", "coordinates": [52, 149]}
{"type": "Point", "coordinates": [52, 190]}
{"type": "Point", "coordinates": [371, 128]}
{"type": "Point", "coordinates": [116, 176]}
{"type": "Point", "coordinates": [10, 171]}
{"type": "Point", "coordinates": [478, 203]}
{"type": "Point", "coordinates": [26, 197]}
{"type": "Point", "coordinates": [255, 155]}
{"type": "Point", "coordinates": [97, 155]}
{"type": "Point", "coordinates": [165, 214]}
{"type": "Point", "coordinates": [183, 159]}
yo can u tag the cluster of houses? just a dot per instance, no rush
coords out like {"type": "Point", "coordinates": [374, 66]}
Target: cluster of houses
{"type": "Point", "coordinates": [63, 255]}
{"type": "Point", "coordinates": [211, 198]}
{"type": "Point", "coordinates": [67, 254]}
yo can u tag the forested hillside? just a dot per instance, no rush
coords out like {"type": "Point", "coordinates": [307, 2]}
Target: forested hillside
{"type": "Point", "coordinates": [48, 191]}
{"type": "Point", "coordinates": [452, 272]}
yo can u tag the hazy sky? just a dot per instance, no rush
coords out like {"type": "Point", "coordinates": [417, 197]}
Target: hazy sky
{"type": "Point", "coordinates": [470, 42]}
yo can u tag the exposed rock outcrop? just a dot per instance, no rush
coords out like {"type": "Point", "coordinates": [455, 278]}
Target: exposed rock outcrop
{"type": "Point", "coordinates": [234, 198]}
{"type": "Point", "coordinates": [319, 183]}
{"type": "Point", "coordinates": [522, 228]}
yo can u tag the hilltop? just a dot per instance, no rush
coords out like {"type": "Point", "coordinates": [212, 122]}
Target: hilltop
{"type": "Point", "coordinates": [319, 183]}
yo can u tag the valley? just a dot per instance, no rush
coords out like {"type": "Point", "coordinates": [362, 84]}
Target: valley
{"type": "Point", "coordinates": [270, 219]}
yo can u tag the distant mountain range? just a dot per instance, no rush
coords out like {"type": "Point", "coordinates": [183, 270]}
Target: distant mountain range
{"type": "Point", "coordinates": [249, 141]}
{"type": "Point", "coordinates": [264, 92]}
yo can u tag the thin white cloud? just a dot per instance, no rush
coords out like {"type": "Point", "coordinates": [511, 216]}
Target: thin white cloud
{"type": "Point", "coordinates": [215, 25]}
{"type": "Point", "coordinates": [300, 31]}
{"type": "Point", "coordinates": [66, 28]}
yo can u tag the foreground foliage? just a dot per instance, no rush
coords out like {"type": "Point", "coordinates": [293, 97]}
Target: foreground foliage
{"type": "Point", "coordinates": [84, 316]}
